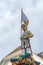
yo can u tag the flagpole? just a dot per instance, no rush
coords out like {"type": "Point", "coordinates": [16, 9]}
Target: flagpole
{"type": "Point", "coordinates": [21, 25]}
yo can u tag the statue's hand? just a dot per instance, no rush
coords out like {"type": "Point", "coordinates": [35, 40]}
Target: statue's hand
{"type": "Point", "coordinates": [29, 34]}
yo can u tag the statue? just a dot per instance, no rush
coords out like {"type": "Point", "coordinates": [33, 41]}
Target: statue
{"type": "Point", "coordinates": [25, 38]}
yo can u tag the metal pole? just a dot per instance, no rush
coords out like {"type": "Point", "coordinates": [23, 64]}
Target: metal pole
{"type": "Point", "coordinates": [21, 26]}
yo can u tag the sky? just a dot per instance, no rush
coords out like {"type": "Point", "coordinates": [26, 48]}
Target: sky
{"type": "Point", "coordinates": [10, 23]}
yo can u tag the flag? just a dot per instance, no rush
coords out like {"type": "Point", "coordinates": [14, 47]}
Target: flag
{"type": "Point", "coordinates": [23, 16]}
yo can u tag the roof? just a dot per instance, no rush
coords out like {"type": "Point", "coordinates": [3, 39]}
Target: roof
{"type": "Point", "coordinates": [17, 49]}
{"type": "Point", "coordinates": [40, 54]}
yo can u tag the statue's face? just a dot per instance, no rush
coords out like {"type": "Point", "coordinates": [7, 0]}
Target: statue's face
{"type": "Point", "coordinates": [24, 28]}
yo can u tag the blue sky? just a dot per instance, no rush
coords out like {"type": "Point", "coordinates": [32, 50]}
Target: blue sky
{"type": "Point", "coordinates": [10, 19]}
